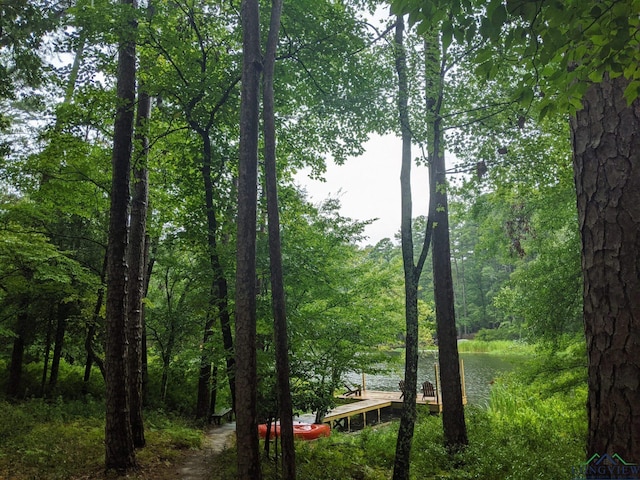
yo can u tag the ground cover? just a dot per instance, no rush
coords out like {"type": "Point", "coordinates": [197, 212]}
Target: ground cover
{"type": "Point", "coordinates": [534, 427]}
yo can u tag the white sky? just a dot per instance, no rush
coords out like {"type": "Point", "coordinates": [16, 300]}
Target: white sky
{"type": "Point", "coordinates": [369, 187]}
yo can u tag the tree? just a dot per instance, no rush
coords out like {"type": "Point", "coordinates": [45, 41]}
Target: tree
{"type": "Point", "coordinates": [246, 376]}
{"type": "Point", "coordinates": [453, 422]}
{"type": "Point", "coordinates": [437, 233]}
{"type": "Point", "coordinates": [285, 408]}
{"type": "Point", "coordinates": [137, 264]}
{"type": "Point", "coordinates": [411, 271]}
{"type": "Point", "coordinates": [606, 147]}
{"type": "Point", "coordinates": [582, 59]}
{"type": "Point", "coordinates": [120, 453]}
{"type": "Point", "coordinates": [198, 76]}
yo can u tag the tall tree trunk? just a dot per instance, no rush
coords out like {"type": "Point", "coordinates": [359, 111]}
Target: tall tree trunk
{"type": "Point", "coordinates": [214, 389]}
{"type": "Point", "coordinates": [204, 377]}
{"type": "Point", "coordinates": [149, 261]}
{"type": "Point", "coordinates": [63, 311]}
{"type": "Point", "coordinates": [167, 350]}
{"type": "Point", "coordinates": [606, 148]}
{"type": "Point", "coordinates": [285, 406]}
{"type": "Point", "coordinates": [91, 332]}
{"type": "Point", "coordinates": [19, 345]}
{"type": "Point", "coordinates": [219, 288]}
{"type": "Point", "coordinates": [408, 415]}
{"type": "Point", "coordinates": [75, 68]}
{"type": "Point", "coordinates": [137, 267]}
{"type": "Point", "coordinates": [15, 367]}
{"type": "Point", "coordinates": [167, 355]}
{"type": "Point", "coordinates": [453, 422]}
{"type": "Point", "coordinates": [246, 367]}
{"type": "Point", "coordinates": [119, 448]}
{"type": "Point", "coordinates": [47, 354]}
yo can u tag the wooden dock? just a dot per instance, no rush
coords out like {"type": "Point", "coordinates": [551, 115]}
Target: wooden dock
{"type": "Point", "coordinates": [434, 404]}
{"type": "Point", "coordinates": [370, 400]}
{"type": "Point", "coordinates": [345, 412]}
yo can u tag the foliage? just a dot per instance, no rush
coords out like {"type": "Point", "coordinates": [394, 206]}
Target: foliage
{"type": "Point", "coordinates": [342, 303]}
{"type": "Point", "coordinates": [505, 332]}
{"type": "Point", "coordinates": [497, 347]}
{"type": "Point", "coordinates": [528, 432]}
{"type": "Point", "coordinates": [563, 46]}
{"type": "Point", "coordinates": [64, 439]}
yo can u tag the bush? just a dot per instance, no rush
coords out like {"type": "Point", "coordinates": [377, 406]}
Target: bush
{"type": "Point", "coordinates": [503, 333]}
{"type": "Point", "coordinates": [70, 384]}
{"type": "Point", "coordinates": [499, 347]}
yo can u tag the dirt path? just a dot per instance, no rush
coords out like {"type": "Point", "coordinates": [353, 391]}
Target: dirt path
{"type": "Point", "coordinates": [196, 466]}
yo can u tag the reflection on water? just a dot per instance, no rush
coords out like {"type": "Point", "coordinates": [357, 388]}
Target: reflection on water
{"type": "Point", "coordinates": [480, 370]}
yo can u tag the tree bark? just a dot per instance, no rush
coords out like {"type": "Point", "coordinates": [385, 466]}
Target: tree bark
{"type": "Point", "coordinates": [47, 353]}
{"type": "Point", "coordinates": [148, 262]}
{"type": "Point", "coordinates": [453, 422]}
{"type": "Point", "coordinates": [606, 149]}
{"type": "Point", "coordinates": [285, 406]}
{"type": "Point", "coordinates": [17, 352]}
{"type": "Point", "coordinates": [92, 357]}
{"type": "Point", "coordinates": [119, 448]}
{"type": "Point", "coordinates": [246, 375]}
{"type": "Point", "coordinates": [203, 401]}
{"type": "Point", "coordinates": [219, 289]}
{"type": "Point", "coordinates": [401, 465]}
{"type": "Point", "coordinates": [137, 266]}
{"type": "Point", "coordinates": [63, 311]}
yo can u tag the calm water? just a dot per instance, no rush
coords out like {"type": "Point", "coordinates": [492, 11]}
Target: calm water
{"type": "Point", "coordinates": [480, 370]}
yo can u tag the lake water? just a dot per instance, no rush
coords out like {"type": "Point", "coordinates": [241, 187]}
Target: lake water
{"type": "Point", "coordinates": [480, 369]}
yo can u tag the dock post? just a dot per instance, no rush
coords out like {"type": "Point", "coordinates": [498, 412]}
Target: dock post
{"type": "Point", "coordinates": [437, 374]}
{"type": "Point", "coordinates": [464, 385]}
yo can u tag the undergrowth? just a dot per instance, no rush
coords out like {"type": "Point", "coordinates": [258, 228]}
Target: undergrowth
{"type": "Point", "coordinates": [534, 427]}
{"type": "Point", "coordinates": [497, 347]}
{"type": "Point", "coordinates": [65, 440]}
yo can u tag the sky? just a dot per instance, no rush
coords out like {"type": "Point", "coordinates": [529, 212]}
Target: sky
{"type": "Point", "coordinates": [369, 187]}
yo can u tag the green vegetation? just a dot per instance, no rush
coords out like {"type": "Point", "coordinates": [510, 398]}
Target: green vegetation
{"type": "Point", "coordinates": [518, 263]}
{"type": "Point", "coordinates": [497, 347]}
{"type": "Point", "coordinates": [530, 430]}
{"type": "Point", "coordinates": [533, 427]}
{"type": "Point", "coordinates": [65, 439]}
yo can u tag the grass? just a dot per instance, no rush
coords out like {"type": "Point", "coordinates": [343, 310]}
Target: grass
{"type": "Point", "coordinates": [496, 347]}
{"type": "Point", "coordinates": [523, 435]}
{"type": "Point", "coordinates": [533, 428]}
{"type": "Point", "coordinates": [65, 440]}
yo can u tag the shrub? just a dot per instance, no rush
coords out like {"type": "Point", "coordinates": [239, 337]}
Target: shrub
{"type": "Point", "coordinates": [502, 333]}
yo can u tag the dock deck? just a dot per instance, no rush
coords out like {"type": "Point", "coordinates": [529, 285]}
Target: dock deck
{"type": "Point", "coordinates": [368, 400]}
{"type": "Point", "coordinates": [338, 414]}
{"type": "Point", "coordinates": [435, 406]}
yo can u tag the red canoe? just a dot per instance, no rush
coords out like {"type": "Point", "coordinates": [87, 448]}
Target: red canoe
{"type": "Point", "coordinates": [304, 431]}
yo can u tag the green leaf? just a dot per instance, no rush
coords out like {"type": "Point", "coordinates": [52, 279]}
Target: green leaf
{"type": "Point", "coordinates": [446, 31]}
{"type": "Point", "coordinates": [547, 110]}
{"type": "Point", "coordinates": [632, 92]}
{"type": "Point", "coordinates": [484, 69]}
{"type": "Point", "coordinates": [526, 96]}
{"type": "Point", "coordinates": [499, 16]}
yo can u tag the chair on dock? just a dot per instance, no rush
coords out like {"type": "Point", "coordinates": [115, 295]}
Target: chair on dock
{"type": "Point", "coordinates": [355, 390]}
{"type": "Point", "coordinates": [428, 390]}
